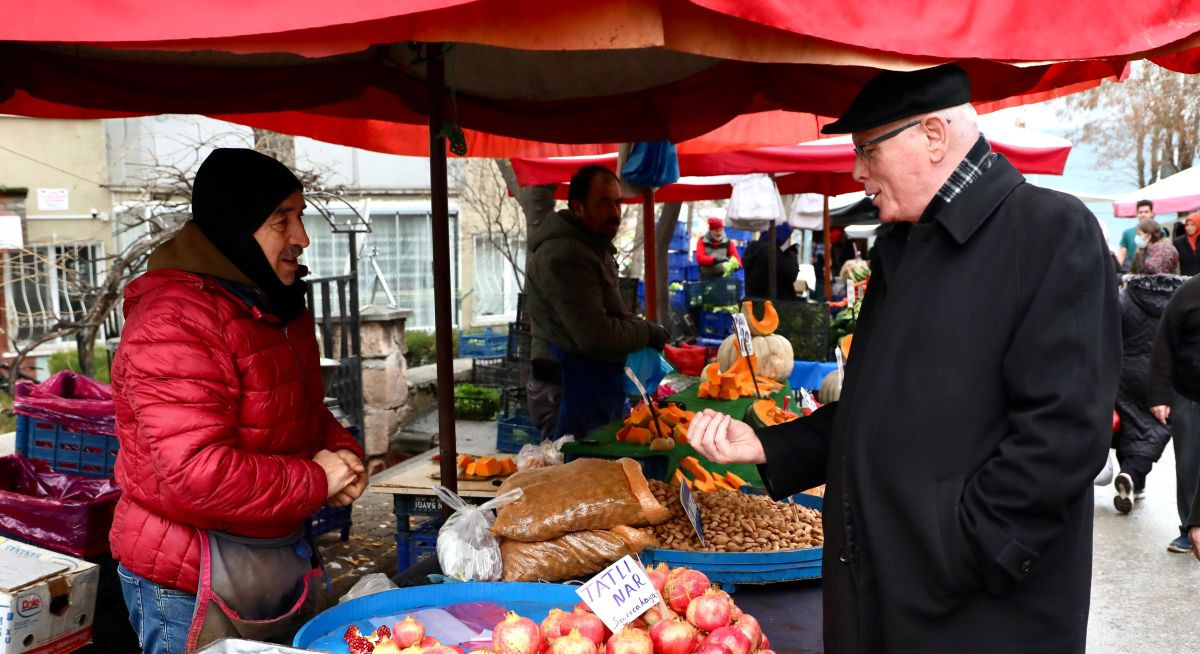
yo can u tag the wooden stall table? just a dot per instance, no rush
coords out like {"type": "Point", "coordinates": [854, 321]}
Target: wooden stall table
{"type": "Point", "coordinates": [602, 443]}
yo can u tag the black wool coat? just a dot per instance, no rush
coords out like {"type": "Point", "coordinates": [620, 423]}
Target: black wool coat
{"type": "Point", "coordinates": [975, 413]}
{"type": "Point", "coordinates": [1143, 302]}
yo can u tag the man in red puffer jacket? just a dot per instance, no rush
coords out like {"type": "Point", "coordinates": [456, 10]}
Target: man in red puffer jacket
{"type": "Point", "coordinates": [219, 402]}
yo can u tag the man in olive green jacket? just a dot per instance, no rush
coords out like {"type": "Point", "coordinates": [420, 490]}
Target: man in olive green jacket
{"type": "Point", "coordinates": [581, 330]}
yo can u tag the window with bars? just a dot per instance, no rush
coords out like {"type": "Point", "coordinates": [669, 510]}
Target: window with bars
{"type": "Point", "coordinates": [48, 284]}
{"type": "Point", "coordinates": [398, 251]}
{"type": "Point", "coordinates": [496, 283]}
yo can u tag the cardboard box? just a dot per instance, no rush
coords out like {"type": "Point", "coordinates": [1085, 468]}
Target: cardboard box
{"type": "Point", "coordinates": [47, 600]}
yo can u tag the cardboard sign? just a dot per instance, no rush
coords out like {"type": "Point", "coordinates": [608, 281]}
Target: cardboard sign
{"type": "Point", "coordinates": [692, 511]}
{"type": "Point", "coordinates": [743, 334]}
{"type": "Point", "coordinates": [620, 593]}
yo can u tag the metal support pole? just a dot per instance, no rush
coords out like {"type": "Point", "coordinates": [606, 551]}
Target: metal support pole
{"type": "Point", "coordinates": [650, 255]}
{"type": "Point", "coordinates": [772, 260]}
{"type": "Point", "coordinates": [828, 248]}
{"type": "Point", "coordinates": [447, 441]}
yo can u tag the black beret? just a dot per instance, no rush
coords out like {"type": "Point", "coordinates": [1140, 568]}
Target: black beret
{"type": "Point", "coordinates": [892, 95]}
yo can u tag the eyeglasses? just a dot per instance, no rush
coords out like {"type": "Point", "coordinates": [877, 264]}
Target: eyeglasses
{"type": "Point", "coordinates": [861, 149]}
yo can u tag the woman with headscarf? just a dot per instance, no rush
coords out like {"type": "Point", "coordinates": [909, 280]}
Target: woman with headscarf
{"type": "Point", "coordinates": [1141, 438]}
{"type": "Point", "coordinates": [226, 445]}
{"type": "Point", "coordinates": [1189, 257]}
{"type": "Point", "coordinates": [787, 265]}
{"type": "Point", "coordinates": [1149, 232]}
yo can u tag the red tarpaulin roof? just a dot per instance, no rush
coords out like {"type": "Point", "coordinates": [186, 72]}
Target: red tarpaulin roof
{"type": "Point", "coordinates": [819, 167]}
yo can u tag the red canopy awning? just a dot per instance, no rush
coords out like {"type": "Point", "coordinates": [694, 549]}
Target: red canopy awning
{"type": "Point", "coordinates": [815, 167]}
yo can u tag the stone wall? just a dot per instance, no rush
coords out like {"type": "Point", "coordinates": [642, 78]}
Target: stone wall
{"type": "Point", "coordinates": [385, 386]}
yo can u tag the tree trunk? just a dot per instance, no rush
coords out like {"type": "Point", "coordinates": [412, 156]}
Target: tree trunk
{"type": "Point", "coordinates": [536, 201]}
{"type": "Point", "coordinates": [664, 229]}
{"type": "Point", "coordinates": [85, 342]}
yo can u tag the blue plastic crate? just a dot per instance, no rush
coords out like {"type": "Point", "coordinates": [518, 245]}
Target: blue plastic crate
{"type": "Point", "coordinates": [740, 235]}
{"type": "Point", "coordinates": [512, 433]}
{"type": "Point", "coordinates": [681, 229]}
{"type": "Point", "coordinates": [330, 519]}
{"type": "Point", "coordinates": [686, 273]}
{"type": "Point", "coordinates": [417, 544]}
{"type": "Point", "coordinates": [715, 325]}
{"type": "Point", "coordinates": [485, 344]}
{"type": "Point", "coordinates": [678, 259]}
{"type": "Point", "coordinates": [66, 450]}
{"type": "Point", "coordinates": [679, 242]}
{"type": "Point", "coordinates": [678, 299]}
{"type": "Point", "coordinates": [721, 292]}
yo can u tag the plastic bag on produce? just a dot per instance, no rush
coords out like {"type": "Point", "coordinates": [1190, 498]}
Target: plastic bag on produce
{"type": "Point", "coordinates": [574, 555]}
{"type": "Point", "coordinates": [368, 585]}
{"type": "Point", "coordinates": [465, 546]}
{"type": "Point", "coordinates": [581, 495]}
{"type": "Point", "coordinates": [649, 366]}
{"type": "Point", "coordinates": [69, 399]}
{"type": "Point", "coordinates": [548, 453]}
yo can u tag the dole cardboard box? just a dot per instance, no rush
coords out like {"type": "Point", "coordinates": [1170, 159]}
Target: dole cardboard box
{"type": "Point", "coordinates": [47, 600]}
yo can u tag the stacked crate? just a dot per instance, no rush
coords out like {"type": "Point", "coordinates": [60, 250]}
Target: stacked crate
{"type": "Point", "coordinates": [514, 427]}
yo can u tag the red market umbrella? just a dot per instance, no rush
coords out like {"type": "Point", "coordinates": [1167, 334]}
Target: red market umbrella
{"type": "Point", "coordinates": [591, 71]}
{"type": "Point", "coordinates": [815, 167]}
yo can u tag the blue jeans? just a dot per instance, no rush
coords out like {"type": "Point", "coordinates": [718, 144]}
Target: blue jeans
{"type": "Point", "coordinates": [161, 616]}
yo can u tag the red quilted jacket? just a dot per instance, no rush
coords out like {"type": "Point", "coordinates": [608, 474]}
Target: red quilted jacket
{"type": "Point", "coordinates": [219, 413]}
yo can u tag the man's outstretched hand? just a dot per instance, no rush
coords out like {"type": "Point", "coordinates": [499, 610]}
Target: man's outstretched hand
{"type": "Point", "coordinates": [724, 440]}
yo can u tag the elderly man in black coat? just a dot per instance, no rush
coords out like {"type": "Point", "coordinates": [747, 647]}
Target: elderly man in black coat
{"type": "Point", "coordinates": [978, 397]}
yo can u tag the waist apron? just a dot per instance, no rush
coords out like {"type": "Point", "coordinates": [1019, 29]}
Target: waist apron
{"type": "Point", "coordinates": [592, 393]}
{"type": "Point", "coordinates": [250, 588]}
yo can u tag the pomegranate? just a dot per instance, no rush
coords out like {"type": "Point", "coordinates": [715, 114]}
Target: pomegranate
{"type": "Point", "coordinates": [428, 641]}
{"type": "Point", "coordinates": [658, 576]}
{"type": "Point", "coordinates": [708, 612]}
{"type": "Point", "coordinates": [733, 640]}
{"type": "Point", "coordinates": [582, 608]}
{"type": "Point", "coordinates": [407, 632]}
{"type": "Point", "coordinates": [639, 623]}
{"type": "Point", "coordinates": [386, 646]}
{"type": "Point", "coordinates": [656, 614]}
{"type": "Point", "coordinates": [685, 585]}
{"type": "Point", "coordinates": [630, 641]}
{"type": "Point", "coordinates": [573, 643]}
{"type": "Point", "coordinates": [552, 626]}
{"type": "Point", "coordinates": [590, 625]}
{"type": "Point", "coordinates": [765, 651]}
{"type": "Point", "coordinates": [381, 633]}
{"type": "Point", "coordinates": [674, 637]}
{"type": "Point", "coordinates": [766, 642]}
{"type": "Point", "coordinates": [749, 626]}
{"type": "Point", "coordinates": [713, 648]}
{"type": "Point", "coordinates": [516, 635]}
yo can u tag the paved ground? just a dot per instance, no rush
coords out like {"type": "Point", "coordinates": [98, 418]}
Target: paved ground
{"type": "Point", "coordinates": [1144, 599]}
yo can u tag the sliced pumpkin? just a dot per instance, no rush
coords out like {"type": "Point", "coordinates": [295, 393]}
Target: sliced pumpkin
{"type": "Point", "coordinates": [735, 481]}
{"type": "Point", "coordinates": [692, 464]}
{"type": "Point", "coordinates": [464, 460]}
{"type": "Point", "coordinates": [638, 436]}
{"type": "Point", "coordinates": [761, 326]}
{"type": "Point", "coordinates": [721, 484]}
{"type": "Point", "coordinates": [507, 466]}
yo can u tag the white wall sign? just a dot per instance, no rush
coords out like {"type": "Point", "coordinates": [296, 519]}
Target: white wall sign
{"type": "Point", "coordinates": [620, 593]}
{"type": "Point", "coordinates": [10, 232]}
{"type": "Point", "coordinates": [53, 199]}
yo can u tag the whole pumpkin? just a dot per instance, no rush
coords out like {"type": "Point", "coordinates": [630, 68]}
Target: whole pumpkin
{"type": "Point", "coordinates": [773, 355]}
